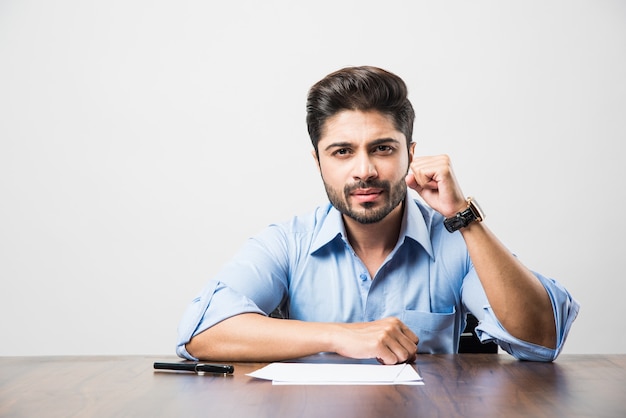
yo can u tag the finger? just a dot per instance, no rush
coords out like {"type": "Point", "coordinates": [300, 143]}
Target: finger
{"type": "Point", "coordinates": [409, 342]}
{"type": "Point", "coordinates": [400, 351]}
{"type": "Point", "coordinates": [424, 177]}
{"type": "Point", "coordinates": [409, 333]}
{"type": "Point", "coordinates": [419, 186]}
{"type": "Point", "coordinates": [402, 343]}
{"type": "Point", "coordinates": [411, 182]}
{"type": "Point", "coordinates": [426, 180]}
{"type": "Point", "coordinates": [387, 357]}
{"type": "Point", "coordinates": [435, 168]}
{"type": "Point", "coordinates": [389, 351]}
{"type": "Point", "coordinates": [409, 349]}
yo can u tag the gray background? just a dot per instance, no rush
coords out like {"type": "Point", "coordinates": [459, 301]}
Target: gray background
{"type": "Point", "coordinates": [141, 142]}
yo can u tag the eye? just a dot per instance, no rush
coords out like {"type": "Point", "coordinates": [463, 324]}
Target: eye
{"type": "Point", "coordinates": [383, 149]}
{"type": "Point", "coordinates": [341, 152]}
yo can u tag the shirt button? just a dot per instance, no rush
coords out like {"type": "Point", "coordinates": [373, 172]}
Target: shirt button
{"type": "Point", "coordinates": [363, 276]}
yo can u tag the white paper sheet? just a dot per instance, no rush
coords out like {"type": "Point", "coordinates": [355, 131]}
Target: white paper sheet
{"type": "Point", "coordinates": [338, 374]}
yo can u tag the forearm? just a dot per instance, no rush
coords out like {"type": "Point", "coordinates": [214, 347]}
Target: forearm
{"type": "Point", "coordinates": [254, 337]}
{"type": "Point", "coordinates": [517, 297]}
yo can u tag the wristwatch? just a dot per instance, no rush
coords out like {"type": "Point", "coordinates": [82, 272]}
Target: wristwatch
{"type": "Point", "coordinates": [462, 219]}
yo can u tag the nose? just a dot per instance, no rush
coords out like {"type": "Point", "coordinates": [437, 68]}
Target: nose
{"type": "Point", "coordinates": [364, 168]}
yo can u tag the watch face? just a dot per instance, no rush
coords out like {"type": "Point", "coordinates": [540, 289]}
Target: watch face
{"type": "Point", "coordinates": [478, 212]}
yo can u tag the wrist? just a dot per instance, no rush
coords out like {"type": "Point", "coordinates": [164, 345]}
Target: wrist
{"type": "Point", "coordinates": [463, 218]}
{"type": "Point", "coordinates": [459, 209]}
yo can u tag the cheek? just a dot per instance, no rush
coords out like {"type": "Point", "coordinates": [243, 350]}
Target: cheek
{"type": "Point", "coordinates": [404, 165]}
{"type": "Point", "coordinates": [331, 173]}
{"type": "Point", "coordinates": [397, 169]}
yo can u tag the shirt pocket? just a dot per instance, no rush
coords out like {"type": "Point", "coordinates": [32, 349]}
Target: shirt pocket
{"type": "Point", "coordinates": [435, 330]}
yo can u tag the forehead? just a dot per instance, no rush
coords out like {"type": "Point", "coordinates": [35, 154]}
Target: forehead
{"type": "Point", "coordinates": [359, 126]}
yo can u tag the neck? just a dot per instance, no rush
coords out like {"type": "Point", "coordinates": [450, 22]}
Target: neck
{"type": "Point", "coordinates": [375, 239]}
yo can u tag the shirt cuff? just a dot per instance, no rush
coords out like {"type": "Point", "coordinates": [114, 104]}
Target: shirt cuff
{"type": "Point", "coordinates": [565, 309]}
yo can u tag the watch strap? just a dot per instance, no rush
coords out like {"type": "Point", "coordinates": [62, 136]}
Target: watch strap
{"type": "Point", "coordinates": [462, 219]}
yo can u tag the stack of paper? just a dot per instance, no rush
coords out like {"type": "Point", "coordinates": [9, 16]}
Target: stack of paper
{"type": "Point", "coordinates": [338, 374]}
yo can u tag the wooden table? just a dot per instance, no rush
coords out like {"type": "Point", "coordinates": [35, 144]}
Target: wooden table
{"type": "Point", "coordinates": [486, 385]}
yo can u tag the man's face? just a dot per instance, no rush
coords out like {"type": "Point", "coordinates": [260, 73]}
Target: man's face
{"type": "Point", "coordinates": [363, 160]}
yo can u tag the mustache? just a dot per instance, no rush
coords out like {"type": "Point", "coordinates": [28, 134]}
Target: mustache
{"type": "Point", "coordinates": [375, 184]}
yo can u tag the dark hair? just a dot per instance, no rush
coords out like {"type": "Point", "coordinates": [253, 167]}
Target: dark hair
{"type": "Point", "coordinates": [359, 88]}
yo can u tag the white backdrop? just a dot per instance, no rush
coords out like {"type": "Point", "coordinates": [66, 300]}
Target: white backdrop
{"type": "Point", "coordinates": [141, 142]}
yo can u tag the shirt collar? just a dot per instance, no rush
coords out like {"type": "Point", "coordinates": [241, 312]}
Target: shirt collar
{"type": "Point", "coordinates": [416, 224]}
{"type": "Point", "coordinates": [332, 227]}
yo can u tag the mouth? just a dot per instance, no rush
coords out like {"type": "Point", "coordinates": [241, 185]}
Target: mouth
{"type": "Point", "coordinates": [366, 195]}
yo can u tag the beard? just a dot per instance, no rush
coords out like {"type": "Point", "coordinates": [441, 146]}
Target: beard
{"type": "Point", "coordinates": [365, 213]}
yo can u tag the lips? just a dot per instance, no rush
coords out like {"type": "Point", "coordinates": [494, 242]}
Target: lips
{"type": "Point", "coordinates": [367, 191]}
{"type": "Point", "coordinates": [366, 195]}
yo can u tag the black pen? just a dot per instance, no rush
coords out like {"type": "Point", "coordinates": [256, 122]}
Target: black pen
{"type": "Point", "coordinates": [196, 367]}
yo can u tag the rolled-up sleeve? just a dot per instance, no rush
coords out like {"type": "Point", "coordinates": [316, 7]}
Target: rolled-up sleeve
{"type": "Point", "coordinates": [565, 309]}
{"type": "Point", "coordinates": [216, 303]}
{"type": "Point", "coordinates": [254, 281]}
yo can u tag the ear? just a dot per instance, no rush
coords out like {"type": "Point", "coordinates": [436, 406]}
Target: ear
{"type": "Point", "coordinates": [317, 160]}
{"type": "Point", "coordinates": [411, 151]}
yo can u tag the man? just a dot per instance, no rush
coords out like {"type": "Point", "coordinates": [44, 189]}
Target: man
{"type": "Point", "coordinates": [375, 273]}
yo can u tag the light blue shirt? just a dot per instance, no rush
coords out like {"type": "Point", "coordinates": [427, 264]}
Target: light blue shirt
{"type": "Point", "coordinates": [307, 267]}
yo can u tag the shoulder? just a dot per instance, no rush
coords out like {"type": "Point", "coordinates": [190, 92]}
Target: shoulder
{"type": "Point", "coordinates": [301, 228]}
{"type": "Point", "coordinates": [304, 223]}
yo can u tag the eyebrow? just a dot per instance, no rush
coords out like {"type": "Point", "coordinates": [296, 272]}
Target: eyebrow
{"type": "Point", "coordinates": [374, 143]}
